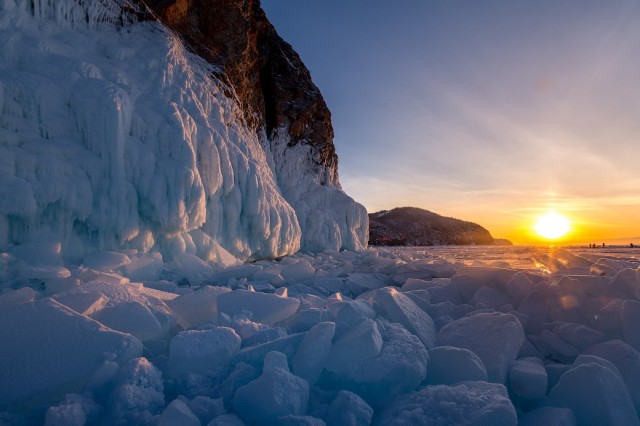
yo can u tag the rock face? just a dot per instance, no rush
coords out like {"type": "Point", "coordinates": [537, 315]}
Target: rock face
{"type": "Point", "coordinates": [411, 226]}
{"type": "Point", "coordinates": [173, 126]}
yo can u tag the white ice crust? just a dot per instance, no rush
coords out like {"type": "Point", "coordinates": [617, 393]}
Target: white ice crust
{"type": "Point", "coordinates": [113, 136]}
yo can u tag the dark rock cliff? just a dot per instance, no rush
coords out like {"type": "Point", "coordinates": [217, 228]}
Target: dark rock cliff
{"type": "Point", "coordinates": [272, 85]}
{"type": "Point", "coordinates": [410, 226]}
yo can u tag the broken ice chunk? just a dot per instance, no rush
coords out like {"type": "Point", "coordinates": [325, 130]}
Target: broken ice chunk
{"type": "Point", "coordinates": [61, 347]}
{"type": "Point", "coordinates": [246, 271]}
{"type": "Point", "coordinates": [554, 372]}
{"type": "Point", "coordinates": [138, 397]}
{"type": "Point", "coordinates": [89, 275]}
{"type": "Point", "coordinates": [202, 351]}
{"type": "Point", "coordinates": [145, 267]}
{"type": "Point", "coordinates": [241, 375]}
{"type": "Point", "coordinates": [197, 308]}
{"type": "Point", "coordinates": [254, 354]}
{"type": "Point", "coordinates": [401, 309]}
{"type": "Point", "coordinates": [360, 343]}
{"type": "Point", "coordinates": [570, 260]}
{"type": "Point", "coordinates": [624, 284]}
{"type": "Point", "coordinates": [449, 365]}
{"type": "Point", "coordinates": [555, 347]}
{"type": "Point", "coordinates": [206, 408]}
{"type": "Point", "coordinates": [304, 319]}
{"type": "Point", "coordinates": [299, 271]}
{"type": "Point", "coordinates": [578, 335]}
{"type": "Point", "coordinates": [528, 378]}
{"type": "Point", "coordinates": [330, 284]}
{"type": "Point", "coordinates": [133, 318]}
{"type": "Point", "coordinates": [547, 264]}
{"type": "Point", "coordinates": [195, 270]}
{"type": "Point", "coordinates": [421, 270]}
{"type": "Point", "coordinates": [610, 317]}
{"type": "Point", "coordinates": [493, 336]}
{"type": "Point", "coordinates": [593, 359]}
{"type": "Point", "coordinates": [351, 313]}
{"type": "Point", "coordinates": [444, 293]}
{"type": "Point", "coordinates": [596, 395]}
{"type": "Point", "coordinates": [15, 297]}
{"type": "Point", "coordinates": [83, 303]}
{"type": "Point", "coordinates": [534, 305]}
{"type": "Point", "coordinates": [400, 367]}
{"type": "Point", "coordinates": [209, 249]}
{"type": "Point", "coordinates": [627, 361]}
{"type": "Point", "coordinates": [631, 323]}
{"type": "Point", "coordinates": [263, 335]}
{"type": "Point", "coordinates": [291, 420]}
{"type": "Point", "coordinates": [418, 284]}
{"type": "Point", "coordinates": [469, 403]}
{"type": "Point", "coordinates": [348, 409]}
{"type": "Point", "coordinates": [548, 416]}
{"type": "Point", "coordinates": [470, 278]}
{"type": "Point", "coordinates": [66, 414]}
{"type": "Point", "coordinates": [616, 264]}
{"type": "Point", "coordinates": [313, 352]}
{"type": "Point", "coordinates": [107, 261]}
{"type": "Point", "coordinates": [519, 286]}
{"type": "Point", "coordinates": [601, 270]}
{"type": "Point", "coordinates": [120, 291]}
{"type": "Point", "coordinates": [275, 393]}
{"type": "Point", "coordinates": [178, 413]}
{"type": "Point", "coordinates": [266, 308]}
{"type": "Point", "coordinates": [490, 298]}
{"type": "Point", "coordinates": [43, 272]}
{"type": "Point", "coordinates": [38, 253]}
{"type": "Point", "coordinates": [361, 282]}
{"type": "Point", "coordinates": [227, 420]}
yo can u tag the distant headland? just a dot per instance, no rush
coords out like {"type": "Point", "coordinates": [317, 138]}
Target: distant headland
{"type": "Point", "coordinates": [412, 226]}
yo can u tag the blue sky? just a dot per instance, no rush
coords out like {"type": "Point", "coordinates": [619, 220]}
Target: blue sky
{"type": "Point", "coordinates": [491, 111]}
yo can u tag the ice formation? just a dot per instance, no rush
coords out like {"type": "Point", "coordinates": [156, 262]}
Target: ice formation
{"type": "Point", "coordinates": [114, 136]}
{"type": "Point", "coordinates": [253, 347]}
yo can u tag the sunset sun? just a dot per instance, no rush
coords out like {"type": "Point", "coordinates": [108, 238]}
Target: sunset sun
{"type": "Point", "coordinates": [552, 226]}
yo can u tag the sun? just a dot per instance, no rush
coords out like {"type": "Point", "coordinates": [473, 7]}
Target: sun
{"type": "Point", "coordinates": [552, 226]}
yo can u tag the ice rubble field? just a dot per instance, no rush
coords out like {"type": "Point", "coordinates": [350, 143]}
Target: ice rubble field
{"type": "Point", "coordinates": [479, 336]}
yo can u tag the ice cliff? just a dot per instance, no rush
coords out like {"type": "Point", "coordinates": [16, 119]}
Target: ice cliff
{"type": "Point", "coordinates": [172, 126]}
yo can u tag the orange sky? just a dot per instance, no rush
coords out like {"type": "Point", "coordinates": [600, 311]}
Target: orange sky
{"type": "Point", "coordinates": [588, 225]}
{"type": "Point", "coordinates": [512, 214]}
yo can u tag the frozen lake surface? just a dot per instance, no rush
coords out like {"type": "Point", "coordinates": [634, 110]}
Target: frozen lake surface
{"type": "Point", "coordinates": [394, 335]}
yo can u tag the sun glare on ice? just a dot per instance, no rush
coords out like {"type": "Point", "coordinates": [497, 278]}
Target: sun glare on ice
{"type": "Point", "coordinates": [552, 226]}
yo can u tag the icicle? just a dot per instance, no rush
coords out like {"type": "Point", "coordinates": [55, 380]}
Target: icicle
{"type": "Point", "coordinates": [89, 14]}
